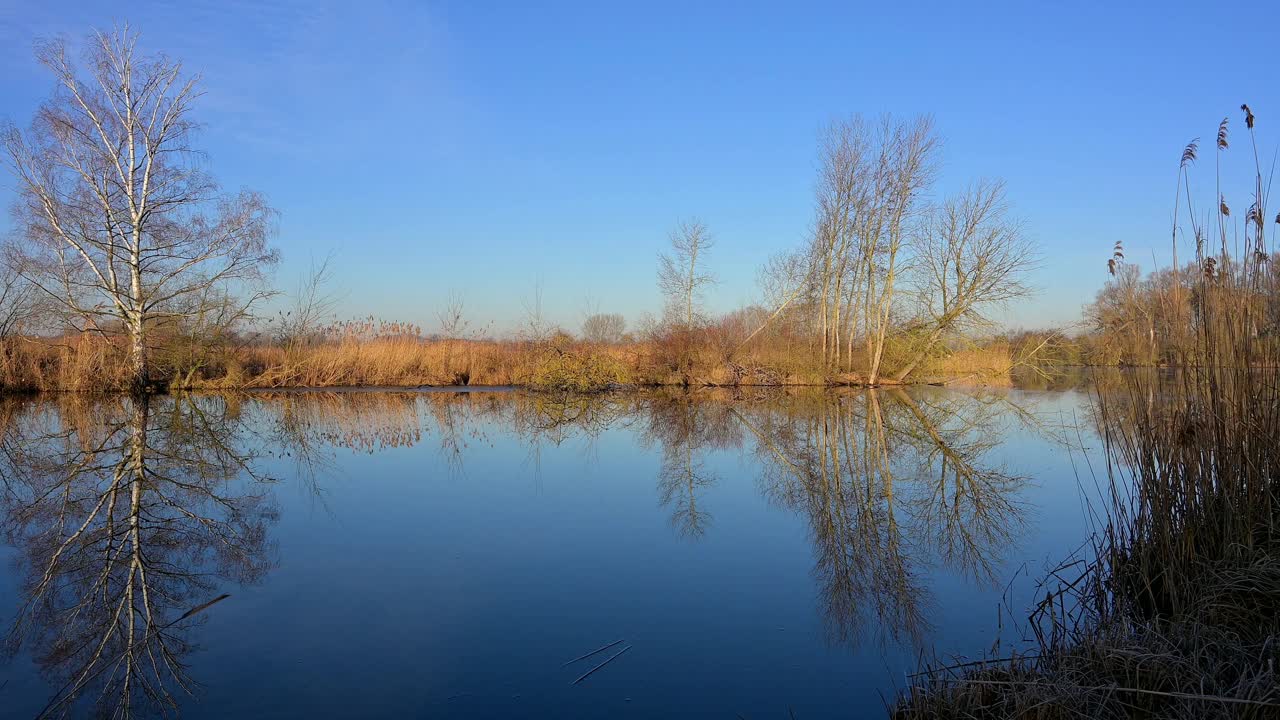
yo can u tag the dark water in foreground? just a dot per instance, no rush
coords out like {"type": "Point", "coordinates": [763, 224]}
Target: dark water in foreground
{"type": "Point", "coordinates": [444, 554]}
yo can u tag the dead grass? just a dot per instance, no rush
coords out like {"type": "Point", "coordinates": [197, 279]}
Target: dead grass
{"type": "Point", "coordinates": [90, 363]}
{"type": "Point", "coordinates": [1167, 670]}
{"type": "Point", "coordinates": [994, 359]}
{"type": "Point", "coordinates": [74, 364]}
{"type": "Point", "coordinates": [1177, 611]}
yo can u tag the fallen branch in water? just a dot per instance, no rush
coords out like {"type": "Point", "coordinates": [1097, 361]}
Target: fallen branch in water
{"type": "Point", "coordinates": [199, 609]}
{"type": "Point", "coordinates": [613, 657]}
{"type": "Point", "coordinates": [593, 652]}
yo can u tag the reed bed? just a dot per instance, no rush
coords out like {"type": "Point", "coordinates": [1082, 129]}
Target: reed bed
{"type": "Point", "coordinates": [76, 364]}
{"type": "Point", "coordinates": [1176, 613]}
{"type": "Point", "coordinates": [92, 363]}
{"type": "Point", "coordinates": [1175, 610]}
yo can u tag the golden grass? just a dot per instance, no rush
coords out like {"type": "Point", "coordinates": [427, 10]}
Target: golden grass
{"type": "Point", "coordinates": [385, 362]}
{"type": "Point", "coordinates": [76, 364]}
{"type": "Point", "coordinates": [993, 359]}
{"type": "Point", "coordinates": [91, 363]}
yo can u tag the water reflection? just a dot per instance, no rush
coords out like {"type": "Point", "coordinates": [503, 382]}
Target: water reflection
{"type": "Point", "coordinates": [894, 484]}
{"type": "Point", "coordinates": [891, 484]}
{"type": "Point", "coordinates": [126, 522]}
{"type": "Point", "coordinates": [133, 519]}
{"type": "Point", "coordinates": [684, 426]}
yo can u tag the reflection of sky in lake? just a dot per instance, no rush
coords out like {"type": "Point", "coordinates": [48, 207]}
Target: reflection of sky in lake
{"type": "Point", "coordinates": [444, 555]}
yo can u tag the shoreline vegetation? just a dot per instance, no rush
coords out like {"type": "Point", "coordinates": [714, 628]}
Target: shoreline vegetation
{"type": "Point", "coordinates": [561, 363]}
{"type": "Point", "coordinates": [1173, 609]}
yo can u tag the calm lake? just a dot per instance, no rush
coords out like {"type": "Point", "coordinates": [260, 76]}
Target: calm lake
{"type": "Point", "coordinates": [760, 554]}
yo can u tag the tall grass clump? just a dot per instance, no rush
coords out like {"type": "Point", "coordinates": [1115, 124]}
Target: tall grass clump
{"type": "Point", "coordinates": [1175, 611]}
{"type": "Point", "coordinates": [71, 363]}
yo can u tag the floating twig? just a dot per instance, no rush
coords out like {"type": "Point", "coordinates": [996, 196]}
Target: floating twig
{"type": "Point", "coordinates": [593, 652]}
{"type": "Point", "coordinates": [613, 657]}
{"type": "Point", "coordinates": [200, 608]}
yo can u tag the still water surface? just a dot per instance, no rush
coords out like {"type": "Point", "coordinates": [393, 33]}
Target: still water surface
{"type": "Point", "coordinates": [444, 554]}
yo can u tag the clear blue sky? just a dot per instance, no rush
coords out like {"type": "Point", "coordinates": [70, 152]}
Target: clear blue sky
{"type": "Point", "coordinates": [490, 147]}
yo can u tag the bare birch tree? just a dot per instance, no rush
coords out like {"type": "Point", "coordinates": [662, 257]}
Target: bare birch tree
{"type": "Point", "coordinates": [118, 222]}
{"type": "Point", "coordinates": [680, 276]}
{"type": "Point", "coordinates": [310, 308]}
{"type": "Point", "coordinates": [844, 196]}
{"type": "Point", "coordinates": [904, 171]}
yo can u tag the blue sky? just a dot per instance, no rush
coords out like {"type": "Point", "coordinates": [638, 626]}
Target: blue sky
{"type": "Point", "coordinates": [490, 148]}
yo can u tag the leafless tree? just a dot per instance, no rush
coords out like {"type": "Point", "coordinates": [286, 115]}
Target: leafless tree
{"type": "Point", "coordinates": [536, 328]}
{"type": "Point", "coordinates": [118, 222]}
{"type": "Point", "coordinates": [871, 182]}
{"type": "Point", "coordinates": [647, 325]}
{"type": "Point", "coordinates": [17, 302]}
{"type": "Point", "coordinates": [458, 338]}
{"type": "Point", "coordinates": [845, 196]}
{"type": "Point", "coordinates": [604, 328]}
{"type": "Point", "coordinates": [971, 257]}
{"type": "Point", "coordinates": [783, 279]}
{"type": "Point", "coordinates": [1125, 314]}
{"type": "Point", "coordinates": [453, 317]}
{"type": "Point", "coordinates": [680, 276]}
{"type": "Point", "coordinates": [311, 306]}
{"type": "Point", "coordinates": [904, 171]}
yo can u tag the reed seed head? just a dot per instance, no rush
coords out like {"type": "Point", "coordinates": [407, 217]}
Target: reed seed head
{"type": "Point", "coordinates": [1189, 152]}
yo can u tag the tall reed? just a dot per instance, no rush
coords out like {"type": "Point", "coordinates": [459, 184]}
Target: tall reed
{"type": "Point", "coordinates": [1175, 611]}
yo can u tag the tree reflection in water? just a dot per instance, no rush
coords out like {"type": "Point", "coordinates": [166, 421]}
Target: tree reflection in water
{"type": "Point", "coordinates": [126, 514]}
{"type": "Point", "coordinates": [892, 483]}
{"type": "Point", "coordinates": [684, 425]}
{"type": "Point", "coordinates": [132, 516]}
